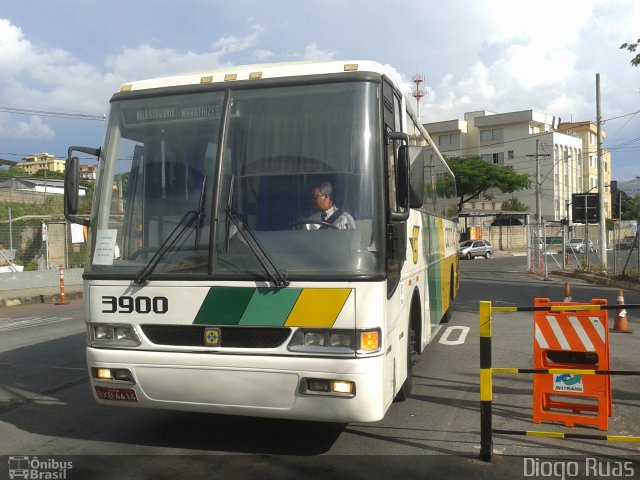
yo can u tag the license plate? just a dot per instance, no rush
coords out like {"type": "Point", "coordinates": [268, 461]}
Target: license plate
{"type": "Point", "coordinates": [116, 394]}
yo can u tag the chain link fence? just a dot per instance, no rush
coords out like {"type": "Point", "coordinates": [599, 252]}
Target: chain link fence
{"type": "Point", "coordinates": [41, 242]}
{"type": "Point", "coordinates": [559, 247]}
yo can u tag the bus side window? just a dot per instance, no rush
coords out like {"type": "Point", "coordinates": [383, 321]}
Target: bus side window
{"type": "Point", "coordinates": [397, 240]}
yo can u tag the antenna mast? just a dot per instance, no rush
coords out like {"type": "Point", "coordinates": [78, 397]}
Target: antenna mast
{"type": "Point", "coordinates": [418, 93]}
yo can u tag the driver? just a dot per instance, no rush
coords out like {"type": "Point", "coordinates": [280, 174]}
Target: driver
{"type": "Point", "coordinates": [327, 214]}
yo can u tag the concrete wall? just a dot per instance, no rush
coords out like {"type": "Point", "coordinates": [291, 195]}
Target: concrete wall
{"type": "Point", "coordinates": [508, 238]}
{"type": "Point", "coordinates": [38, 279]}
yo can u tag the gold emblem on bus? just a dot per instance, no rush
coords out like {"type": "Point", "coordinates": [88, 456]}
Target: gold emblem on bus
{"type": "Point", "coordinates": [414, 243]}
{"type": "Point", "coordinates": [212, 337]}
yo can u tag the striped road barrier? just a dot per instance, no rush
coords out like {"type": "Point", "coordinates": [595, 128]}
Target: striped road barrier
{"type": "Point", "coordinates": [487, 371]}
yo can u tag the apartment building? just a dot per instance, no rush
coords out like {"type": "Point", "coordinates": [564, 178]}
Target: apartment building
{"type": "Point", "coordinates": [88, 171]}
{"type": "Point", "coordinates": [523, 140]}
{"type": "Point", "coordinates": [588, 134]}
{"type": "Point", "coordinates": [41, 161]}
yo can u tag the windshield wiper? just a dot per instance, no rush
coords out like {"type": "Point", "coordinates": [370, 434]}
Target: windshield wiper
{"type": "Point", "coordinates": [200, 215]}
{"type": "Point", "coordinates": [233, 216]}
{"type": "Point", "coordinates": [142, 277]}
{"type": "Point", "coordinates": [277, 277]}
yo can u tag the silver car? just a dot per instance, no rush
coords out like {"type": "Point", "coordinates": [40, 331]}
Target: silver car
{"type": "Point", "coordinates": [475, 248]}
{"type": "Point", "coordinates": [578, 245]}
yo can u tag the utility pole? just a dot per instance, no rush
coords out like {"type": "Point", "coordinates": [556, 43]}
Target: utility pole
{"type": "Point", "coordinates": [538, 188]}
{"type": "Point", "coordinates": [601, 193]}
{"type": "Point", "coordinates": [540, 227]}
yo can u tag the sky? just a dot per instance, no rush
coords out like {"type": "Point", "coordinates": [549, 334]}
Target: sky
{"type": "Point", "coordinates": [60, 64]}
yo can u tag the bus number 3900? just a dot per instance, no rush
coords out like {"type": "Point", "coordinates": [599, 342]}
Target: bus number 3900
{"type": "Point", "coordinates": [141, 304]}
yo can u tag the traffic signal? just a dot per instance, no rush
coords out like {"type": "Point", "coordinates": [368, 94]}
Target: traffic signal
{"type": "Point", "coordinates": [585, 207]}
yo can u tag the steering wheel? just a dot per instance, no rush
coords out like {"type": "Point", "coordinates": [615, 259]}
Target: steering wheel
{"type": "Point", "coordinates": [314, 222]}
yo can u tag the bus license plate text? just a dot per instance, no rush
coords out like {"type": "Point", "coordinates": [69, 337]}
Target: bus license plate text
{"type": "Point", "coordinates": [116, 394]}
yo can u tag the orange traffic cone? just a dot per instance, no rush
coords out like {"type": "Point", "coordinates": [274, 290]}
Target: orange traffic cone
{"type": "Point", "coordinates": [620, 323]}
{"type": "Point", "coordinates": [567, 293]}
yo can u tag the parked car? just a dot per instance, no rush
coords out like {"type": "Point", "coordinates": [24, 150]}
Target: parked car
{"type": "Point", "coordinates": [578, 245]}
{"type": "Point", "coordinates": [627, 243]}
{"type": "Point", "coordinates": [475, 248]}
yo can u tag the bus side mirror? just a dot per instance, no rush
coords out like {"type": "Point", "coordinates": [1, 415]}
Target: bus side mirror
{"type": "Point", "coordinates": [71, 187]}
{"type": "Point", "coordinates": [410, 177]}
{"type": "Point", "coordinates": [416, 181]}
{"type": "Point", "coordinates": [403, 175]}
{"type": "Point", "coordinates": [72, 184]}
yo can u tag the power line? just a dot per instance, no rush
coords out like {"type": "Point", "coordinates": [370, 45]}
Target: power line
{"type": "Point", "coordinates": [622, 116]}
{"type": "Point", "coordinates": [53, 113]}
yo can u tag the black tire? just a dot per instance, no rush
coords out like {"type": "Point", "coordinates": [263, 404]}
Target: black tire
{"type": "Point", "coordinates": [447, 315]}
{"type": "Point", "coordinates": [407, 386]}
{"type": "Point", "coordinates": [468, 256]}
{"type": "Point", "coordinates": [487, 255]}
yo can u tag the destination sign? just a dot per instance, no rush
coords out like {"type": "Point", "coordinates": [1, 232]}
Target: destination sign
{"type": "Point", "coordinates": [170, 113]}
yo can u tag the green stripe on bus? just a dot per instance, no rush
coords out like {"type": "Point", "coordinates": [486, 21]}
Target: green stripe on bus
{"type": "Point", "coordinates": [224, 306]}
{"type": "Point", "coordinates": [270, 306]}
{"type": "Point", "coordinates": [434, 272]}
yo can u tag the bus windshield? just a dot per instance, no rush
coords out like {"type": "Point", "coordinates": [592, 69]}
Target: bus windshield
{"type": "Point", "coordinates": [206, 184]}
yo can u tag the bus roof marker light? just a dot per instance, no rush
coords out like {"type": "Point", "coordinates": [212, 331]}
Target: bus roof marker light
{"type": "Point", "coordinates": [229, 77]}
{"type": "Point", "coordinates": [208, 79]}
{"type": "Point", "coordinates": [126, 88]}
{"type": "Point", "coordinates": [351, 67]}
{"type": "Point", "coordinates": [255, 75]}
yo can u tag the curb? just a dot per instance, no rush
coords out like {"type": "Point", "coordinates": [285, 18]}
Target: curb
{"type": "Point", "coordinates": [599, 280]}
{"type": "Point", "coordinates": [34, 299]}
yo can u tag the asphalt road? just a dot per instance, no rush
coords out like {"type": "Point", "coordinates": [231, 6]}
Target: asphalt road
{"type": "Point", "coordinates": [47, 411]}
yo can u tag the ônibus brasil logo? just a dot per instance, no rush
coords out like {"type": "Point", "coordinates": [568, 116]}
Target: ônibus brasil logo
{"type": "Point", "coordinates": [38, 469]}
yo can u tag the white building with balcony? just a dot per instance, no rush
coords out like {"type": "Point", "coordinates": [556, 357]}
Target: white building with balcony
{"type": "Point", "coordinates": [522, 140]}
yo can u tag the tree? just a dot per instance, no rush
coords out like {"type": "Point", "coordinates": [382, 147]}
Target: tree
{"type": "Point", "coordinates": [514, 205]}
{"type": "Point", "coordinates": [13, 171]}
{"type": "Point", "coordinates": [632, 47]}
{"type": "Point", "coordinates": [618, 200]}
{"type": "Point", "coordinates": [631, 208]}
{"type": "Point", "coordinates": [475, 176]}
{"type": "Point", "coordinates": [44, 173]}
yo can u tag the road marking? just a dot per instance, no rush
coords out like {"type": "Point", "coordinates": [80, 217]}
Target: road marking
{"type": "Point", "coordinates": [7, 324]}
{"type": "Point", "coordinates": [444, 339]}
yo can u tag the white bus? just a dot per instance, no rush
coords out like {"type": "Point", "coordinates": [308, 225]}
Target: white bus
{"type": "Point", "coordinates": [211, 286]}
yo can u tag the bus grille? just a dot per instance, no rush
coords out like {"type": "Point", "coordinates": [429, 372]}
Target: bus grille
{"type": "Point", "coordinates": [231, 337]}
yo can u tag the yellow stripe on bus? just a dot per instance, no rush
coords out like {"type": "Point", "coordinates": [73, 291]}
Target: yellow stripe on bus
{"type": "Point", "coordinates": [318, 307]}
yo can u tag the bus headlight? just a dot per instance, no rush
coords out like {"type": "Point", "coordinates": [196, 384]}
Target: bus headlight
{"type": "Point", "coordinates": [314, 339]}
{"type": "Point", "coordinates": [340, 340]}
{"type": "Point", "coordinates": [333, 341]}
{"type": "Point", "coordinates": [103, 332]}
{"type": "Point", "coordinates": [111, 335]}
